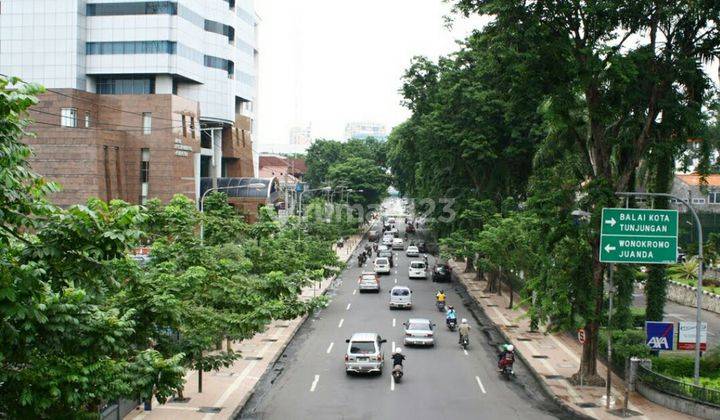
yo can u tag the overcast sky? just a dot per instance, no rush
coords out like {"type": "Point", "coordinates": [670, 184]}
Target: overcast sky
{"type": "Point", "coordinates": [329, 62]}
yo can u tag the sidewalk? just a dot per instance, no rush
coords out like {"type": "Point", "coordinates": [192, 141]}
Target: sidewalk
{"type": "Point", "coordinates": [553, 358]}
{"type": "Point", "coordinates": [226, 391]}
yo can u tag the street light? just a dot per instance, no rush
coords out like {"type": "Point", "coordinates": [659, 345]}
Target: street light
{"type": "Point", "coordinates": [325, 189]}
{"type": "Point", "coordinates": [256, 185]}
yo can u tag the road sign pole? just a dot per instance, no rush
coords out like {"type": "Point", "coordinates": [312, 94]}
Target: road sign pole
{"type": "Point", "coordinates": [698, 313]}
{"type": "Point", "coordinates": [611, 292]}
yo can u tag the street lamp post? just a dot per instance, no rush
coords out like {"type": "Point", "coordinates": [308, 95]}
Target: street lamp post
{"type": "Point", "coordinates": [256, 185]}
{"type": "Point", "coordinates": [326, 189]}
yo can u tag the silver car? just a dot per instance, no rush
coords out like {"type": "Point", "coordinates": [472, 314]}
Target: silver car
{"type": "Point", "coordinates": [364, 353]}
{"type": "Point", "coordinates": [369, 281]}
{"type": "Point", "coordinates": [400, 297]}
{"type": "Point", "coordinates": [419, 332]}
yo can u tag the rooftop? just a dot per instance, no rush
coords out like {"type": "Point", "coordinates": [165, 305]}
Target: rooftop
{"type": "Point", "coordinates": [712, 180]}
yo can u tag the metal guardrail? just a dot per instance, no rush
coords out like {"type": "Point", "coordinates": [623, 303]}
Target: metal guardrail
{"type": "Point", "coordinates": [680, 389]}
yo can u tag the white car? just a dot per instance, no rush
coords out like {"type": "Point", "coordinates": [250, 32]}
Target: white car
{"type": "Point", "coordinates": [369, 281]}
{"type": "Point", "coordinates": [400, 297]}
{"type": "Point", "coordinates": [382, 265]}
{"type": "Point", "coordinates": [398, 243]}
{"type": "Point", "coordinates": [364, 353]}
{"type": "Point", "coordinates": [387, 240]}
{"type": "Point", "coordinates": [383, 248]}
{"type": "Point", "coordinates": [417, 270]}
{"type": "Point", "coordinates": [419, 332]}
{"type": "Point", "coordinates": [412, 251]}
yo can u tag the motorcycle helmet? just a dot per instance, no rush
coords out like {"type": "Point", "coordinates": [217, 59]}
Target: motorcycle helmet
{"type": "Point", "coordinates": [451, 307]}
{"type": "Point", "coordinates": [510, 347]}
{"type": "Point", "coordinates": [398, 350]}
{"type": "Point", "coordinates": [464, 321]}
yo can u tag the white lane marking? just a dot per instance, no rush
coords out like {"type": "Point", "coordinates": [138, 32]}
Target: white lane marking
{"type": "Point", "coordinates": [392, 383]}
{"type": "Point", "coordinates": [348, 307]}
{"type": "Point", "coordinates": [482, 388]}
{"type": "Point", "coordinates": [466, 353]}
{"type": "Point", "coordinates": [354, 291]}
{"type": "Point", "coordinates": [393, 322]}
{"type": "Point", "coordinates": [393, 346]}
{"type": "Point", "coordinates": [314, 383]}
{"type": "Point", "coordinates": [395, 281]}
{"type": "Point", "coordinates": [341, 322]}
{"type": "Point", "coordinates": [330, 348]}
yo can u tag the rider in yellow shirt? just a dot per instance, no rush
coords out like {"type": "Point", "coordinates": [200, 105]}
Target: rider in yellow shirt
{"type": "Point", "coordinates": [440, 296]}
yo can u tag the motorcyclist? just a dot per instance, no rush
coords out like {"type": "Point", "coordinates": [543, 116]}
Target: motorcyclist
{"type": "Point", "coordinates": [398, 357]}
{"type": "Point", "coordinates": [508, 349]}
{"type": "Point", "coordinates": [463, 330]}
{"type": "Point", "coordinates": [450, 315]}
{"type": "Point", "coordinates": [440, 296]}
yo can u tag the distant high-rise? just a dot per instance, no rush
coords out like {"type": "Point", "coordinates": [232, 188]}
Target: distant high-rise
{"type": "Point", "coordinates": [365, 129]}
{"type": "Point", "coordinates": [301, 136]}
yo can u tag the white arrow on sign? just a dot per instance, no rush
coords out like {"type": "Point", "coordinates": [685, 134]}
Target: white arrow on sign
{"type": "Point", "coordinates": [611, 222]}
{"type": "Point", "coordinates": [609, 248]}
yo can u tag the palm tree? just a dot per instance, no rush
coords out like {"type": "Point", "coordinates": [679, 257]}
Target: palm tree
{"type": "Point", "coordinates": [685, 272]}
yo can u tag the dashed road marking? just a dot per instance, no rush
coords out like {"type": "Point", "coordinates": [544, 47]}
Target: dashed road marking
{"type": "Point", "coordinates": [477, 378]}
{"type": "Point", "coordinates": [314, 383]}
{"type": "Point", "coordinates": [395, 281]}
{"type": "Point", "coordinates": [330, 348]}
{"type": "Point", "coordinates": [348, 307]}
{"type": "Point", "coordinates": [354, 291]}
{"type": "Point", "coordinates": [393, 346]}
{"type": "Point", "coordinates": [466, 353]}
{"type": "Point", "coordinates": [392, 383]}
{"type": "Point", "coordinates": [341, 322]}
{"type": "Point", "coordinates": [393, 322]}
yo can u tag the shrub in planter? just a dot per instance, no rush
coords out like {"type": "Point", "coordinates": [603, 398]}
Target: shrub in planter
{"type": "Point", "coordinates": [626, 344]}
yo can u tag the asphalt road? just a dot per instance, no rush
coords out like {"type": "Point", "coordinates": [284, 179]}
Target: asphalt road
{"type": "Point", "coordinates": [309, 380]}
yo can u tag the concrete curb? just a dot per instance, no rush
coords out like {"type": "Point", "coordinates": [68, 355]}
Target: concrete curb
{"type": "Point", "coordinates": [569, 409]}
{"type": "Point", "coordinates": [238, 409]}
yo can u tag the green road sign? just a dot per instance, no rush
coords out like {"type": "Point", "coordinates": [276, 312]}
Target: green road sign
{"type": "Point", "coordinates": [639, 236]}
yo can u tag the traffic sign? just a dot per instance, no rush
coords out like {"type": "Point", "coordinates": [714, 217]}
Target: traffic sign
{"type": "Point", "coordinates": [581, 335]}
{"type": "Point", "coordinates": [686, 336]}
{"type": "Point", "coordinates": [638, 236]}
{"type": "Point", "coordinates": [659, 335]}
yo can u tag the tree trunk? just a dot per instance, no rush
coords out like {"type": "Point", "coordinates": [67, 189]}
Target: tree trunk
{"type": "Point", "coordinates": [468, 265]}
{"type": "Point", "coordinates": [588, 364]}
{"type": "Point", "coordinates": [228, 344]}
{"type": "Point", "coordinates": [491, 281]}
{"type": "Point", "coordinates": [656, 284]}
{"type": "Point", "coordinates": [512, 295]}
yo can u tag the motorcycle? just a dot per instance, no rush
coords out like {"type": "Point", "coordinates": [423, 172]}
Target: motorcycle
{"type": "Point", "coordinates": [397, 373]}
{"type": "Point", "coordinates": [452, 324]}
{"type": "Point", "coordinates": [464, 342]}
{"type": "Point", "coordinates": [440, 305]}
{"type": "Point", "coordinates": [506, 365]}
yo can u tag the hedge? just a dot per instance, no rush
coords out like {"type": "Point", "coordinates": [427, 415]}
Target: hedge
{"type": "Point", "coordinates": [626, 344]}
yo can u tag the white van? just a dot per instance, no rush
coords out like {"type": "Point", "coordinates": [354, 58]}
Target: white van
{"type": "Point", "coordinates": [400, 297]}
{"type": "Point", "coordinates": [382, 265]}
{"type": "Point", "coordinates": [398, 244]}
{"type": "Point", "coordinates": [417, 270]}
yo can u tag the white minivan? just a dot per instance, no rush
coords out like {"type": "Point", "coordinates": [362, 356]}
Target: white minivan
{"type": "Point", "coordinates": [400, 297]}
{"type": "Point", "coordinates": [417, 270]}
{"type": "Point", "coordinates": [398, 243]}
{"type": "Point", "coordinates": [382, 265]}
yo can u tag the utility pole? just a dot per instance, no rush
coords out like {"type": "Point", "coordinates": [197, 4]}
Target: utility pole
{"type": "Point", "coordinates": [611, 293]}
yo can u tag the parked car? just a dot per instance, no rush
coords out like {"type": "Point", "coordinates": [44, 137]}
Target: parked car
{"type": "Point", "coordinates": [419, 332]}
{"type": "Point", "coordinates": [389, 255]}
{"type": "Point", "coordinates": [412, 251]}
{"type": "Point", "coordinates": [400, 297]}
{"type": "Point", "coordinates": [369, 281]}
{"type": "Point", "coordinates": [398, 243]}
{"type": "Point", "coordinates": [442, 273]}
{"type": "Point", "coordinates": [364, 353]}
{"type": "Point", "coordinates": [381, 265]}
{"type": "Point", "coordinates": [417, 270]}
{"type": "Point", "coordinates": [373, 236]}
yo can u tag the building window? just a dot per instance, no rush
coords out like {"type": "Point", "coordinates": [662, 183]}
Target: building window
{"type": "Point", "coordinates": [714, 197]}
{"type": "Point", "coordinates": [87, 119]}
{"type": "Point", "coordinates": [132, 8]}
{"type": "Point", "coordinates": [192, 127]}
{"type": "Point", "coordinates": [698, 201]}
{"type": "Point", "coordinates": [147, 122]}
{"type": "Point", "coordinates": [68, 117]}
{"type": "Point", "coordinates": [126, 85]}
{"type": "Point", "coordinates": [144, 174]}
{"type": "Point", "coordinates": [184, 126]}
{"type": "Point", "coordinates": [131, 47]}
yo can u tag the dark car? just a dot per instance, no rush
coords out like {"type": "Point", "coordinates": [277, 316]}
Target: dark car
{"type": "Point", "coordinates": [442, 273]}
{"type": "Point", "coordinates": [422, 247]}
{"type": "Point", "coordinates": [389, 255]}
